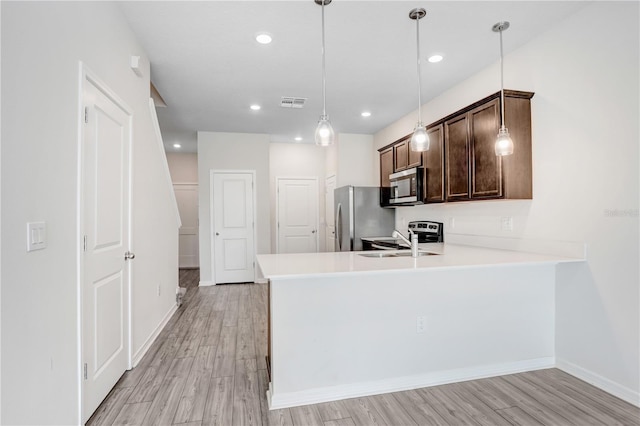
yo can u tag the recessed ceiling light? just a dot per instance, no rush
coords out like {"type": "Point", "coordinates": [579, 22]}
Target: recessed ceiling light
{"type": "Point", "coordinates": [263, 38]}
{"type": "Point", "coordinates": [435, 58]}
{"type": "Point", "coordinates": [366, 114]}
{"type": "Point", "coordinates": [255, 107]}
{"type": "Point", "coordinates": [177, 145]}
{"type": "Point", "coordinates": [298, 138]}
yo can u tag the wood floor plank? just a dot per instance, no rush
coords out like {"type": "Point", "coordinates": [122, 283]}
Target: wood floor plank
{"type": "Point", "coordinates": [334, 410]}
{"type": "Point", "coordinates": [363, 412]}
{"type": "Point", "coordinates": [342, 422]}
{"type": "Point", "coordinates": [220, 299]}
{"type": "Point", "coordinates": [615, 407]}
{"type": "Point", "coordinates": [417, 407]}
{"type": "Point", "coordinates": [246, 397]}
{"type": "Point", "coordinates": [474, 407]}
{"type": "Point", "coordinates": [391, 410]}
{"type": "Point", "coordinates": [213, 328]}
{"type": "Point", "coordinates": [109, 410]}
{"type": "Point", "coordinates": [572, 413]}
{"type": "Point", "coordinates": [307, 415]}
{"type": "Point", "coordinates": [225, 361]}
{"type": "Point", "coordinates": [165, 403]}
{"type": "Point", "coordinates": [518, 417]}
{"type": "Point", "coordinates": [132, 414]}
{"type": "Point", "coordinates": [586, 405]}
{"type": "Point", "coordinates": [194, 395]}
{"type": "Point", "coordinates": [245, 344]}
{"type": "Point", "coordinates": [218, 409]}
{"type": "Point", "coordinates": [439, 399]}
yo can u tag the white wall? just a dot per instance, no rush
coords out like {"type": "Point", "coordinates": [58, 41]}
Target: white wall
{"type": "Point", "coordinates": [356, 159]}
{"type": "Point", "coordinates": [42, 44]}
{"type": "Point", "coordinates": [232, 151]}
{"type": "Point", "coordinates": [586, 182]}
{"type": "Point", "coordinates": [183, 167]}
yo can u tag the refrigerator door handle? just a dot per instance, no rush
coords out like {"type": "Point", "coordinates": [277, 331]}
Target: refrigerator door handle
{"type": "Point", "coordinates": [338, 223]}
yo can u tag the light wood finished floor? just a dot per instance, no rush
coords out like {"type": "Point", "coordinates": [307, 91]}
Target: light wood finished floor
{"type": "Point", "coordinates": [207, 368]}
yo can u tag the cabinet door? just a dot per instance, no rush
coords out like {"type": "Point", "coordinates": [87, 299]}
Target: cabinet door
{"type": "Point", "coordinates": [457, 158]}
{"type": "Point", "coordinates": [401, 156]}
{"type": "Point", "coordinates": [433, 161]}
{"type": "Point", "coordinates": [386, 167]}
{"type": "Point", "coordinates": [486, 167]}
{"type": "Point", "coordinates": [415, 158]}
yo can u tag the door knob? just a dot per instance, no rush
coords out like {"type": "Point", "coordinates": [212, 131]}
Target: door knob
{"type": "Point", "coordinates": [313, 232]}
{"type": "Point", "coordinates": [217, 233]}
{"type": "Point", "coordinates": [128, 255]}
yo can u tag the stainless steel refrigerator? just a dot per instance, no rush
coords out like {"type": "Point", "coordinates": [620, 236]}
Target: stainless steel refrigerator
{"type": "Point", "coordinates": [358, 214]}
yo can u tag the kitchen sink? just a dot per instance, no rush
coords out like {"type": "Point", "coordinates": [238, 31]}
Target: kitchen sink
{"type": "Point", "coordinates": [380, 254]}
{"type": "Point", "coordinates": [408, 253]}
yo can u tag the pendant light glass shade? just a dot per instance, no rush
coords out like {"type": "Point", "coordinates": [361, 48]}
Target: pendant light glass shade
{"type": "Point", "coordinates": [504, 144]}
{"type": "Point", "coordinates": [324, 135]}
{"type": "Point", "coordinates": [420, 139]}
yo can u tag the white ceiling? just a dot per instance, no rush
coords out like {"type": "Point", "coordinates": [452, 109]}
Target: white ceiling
{"type": "Point", "coordinates": [209, 69]}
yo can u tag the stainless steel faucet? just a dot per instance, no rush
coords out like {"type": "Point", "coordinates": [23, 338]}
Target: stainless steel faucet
{"type": "Point", "coordinates": [413, 243]}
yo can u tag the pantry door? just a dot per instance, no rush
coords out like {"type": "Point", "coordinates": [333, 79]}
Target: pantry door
{"type": "Point", "coordinates": [233, 226]}
{"type": "Point", "coordinates": [297, 215]}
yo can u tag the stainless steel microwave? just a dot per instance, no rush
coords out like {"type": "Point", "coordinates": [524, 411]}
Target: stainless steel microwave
{"type": "Point", "coordinates": [406, 187]}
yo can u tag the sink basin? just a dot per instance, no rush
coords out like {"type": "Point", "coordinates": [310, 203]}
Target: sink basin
{"type": "Point", "coordinates": [380, 254]}
{"type": "Point", "coordinates": [407, 253]}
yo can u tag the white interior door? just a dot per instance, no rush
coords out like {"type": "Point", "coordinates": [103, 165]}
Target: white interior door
{"type": "Point", "coordinates": [233, 227]}
{"type": "Point", "coordinates": [106, 217]}
{"type": "Point", "coordinates": [330, 231]}
{"type": "Point", "coordinates": [187, 198]}
{"type": "Point", "coordinates": [297, 204]}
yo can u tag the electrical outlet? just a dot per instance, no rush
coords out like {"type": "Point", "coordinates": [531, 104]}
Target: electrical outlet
{"type": "Point", "coordinates": [506, 223]}
{"type": "Point", "coordinates": [421, 324]}
{"type": "Point", "coordinates": [452, 222]}
{"type": "Point", "coordinates": [159, 290]}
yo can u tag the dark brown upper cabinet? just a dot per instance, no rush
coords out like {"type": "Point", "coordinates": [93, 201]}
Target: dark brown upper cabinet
{"type": "Point", "coordinates": [433, 164]}
{"type": "Point", "coordinates": [461, 164]}
{"type": "Point", "coordinates": [403, 156]}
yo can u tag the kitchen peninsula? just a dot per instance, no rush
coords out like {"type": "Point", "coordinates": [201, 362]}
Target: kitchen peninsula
{"type": "Point", "coordinates": [344, 325]}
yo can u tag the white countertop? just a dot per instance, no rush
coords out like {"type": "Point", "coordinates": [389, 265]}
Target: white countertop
{"type": "Point", "coordinates": [449, 256]}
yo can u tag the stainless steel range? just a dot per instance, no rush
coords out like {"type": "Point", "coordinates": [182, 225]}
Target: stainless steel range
{"type": "Point", "coordinates": [427, 231]}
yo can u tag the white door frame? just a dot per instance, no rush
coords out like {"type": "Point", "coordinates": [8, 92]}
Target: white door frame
{"type": "Point", "coordinates": [212, 230]}
{"type": "Point", "coordinates": [88, 77]}
{"type": "Point", "coordinates": [317, 192]}
{"type": "Point", "coordinates": [197, 188]}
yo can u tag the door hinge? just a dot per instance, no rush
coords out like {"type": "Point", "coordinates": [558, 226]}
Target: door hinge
{"type": "Point", "coordinates": [84, 243]}
{"type": "Point", "coordinates": [85, 371]}
{"type": "Point", "coordinates": [86, 114]}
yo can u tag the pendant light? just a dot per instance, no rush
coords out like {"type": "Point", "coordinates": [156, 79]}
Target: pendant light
{"type": "Point", "coordinates": [420, 139]}
{"type": "Point", "coordinates": [324, 135]}
{"type": "Point", "coordinates": [504, 144]}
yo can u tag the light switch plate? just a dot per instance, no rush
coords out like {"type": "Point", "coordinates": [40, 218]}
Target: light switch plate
{"type": "Point", "coordinates": [36, 236]}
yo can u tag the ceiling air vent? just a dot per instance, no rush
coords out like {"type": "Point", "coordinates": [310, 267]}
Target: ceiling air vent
{"type": "Point", "coordinates": [291, 102]}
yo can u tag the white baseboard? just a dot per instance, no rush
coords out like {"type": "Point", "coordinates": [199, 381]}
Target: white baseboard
{"type": "Point", "coordinates": [609, 386]}
{"type": "Point", "coordinates": [333, 393]}
{"type": "Point", "coordinates": [261, 281]}
{"type": "Point", "coordinates": [206, 283]}
{"type": "Point", "coordinates": [145, 347]}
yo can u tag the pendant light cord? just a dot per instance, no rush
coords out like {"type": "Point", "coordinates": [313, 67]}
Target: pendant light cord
{"type": "Point", "coordinates": [324, 74]}
{"type": "Point", "coordinates": [419, 74]}
{"type": "Point", "coordinates": [501, 83]}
